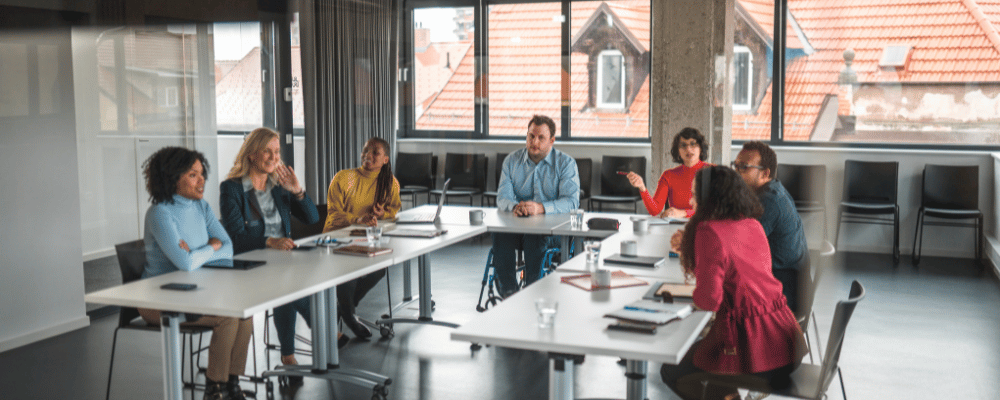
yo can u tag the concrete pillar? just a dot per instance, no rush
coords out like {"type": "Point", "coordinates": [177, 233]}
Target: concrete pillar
{"type": "Point", "coordinates": [690, 85]}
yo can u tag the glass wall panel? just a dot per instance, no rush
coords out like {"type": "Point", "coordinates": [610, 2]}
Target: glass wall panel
{"type": "Point", "coordinates": [443, 68]}
{"type": "Point", "coordinates": [752, 74]}
{"type": "Point", "coordinates": [610, 53]}
{"type": "Point", "coordinates": [238, 76]}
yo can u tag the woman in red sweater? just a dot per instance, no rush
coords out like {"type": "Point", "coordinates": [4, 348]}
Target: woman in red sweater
{"type": "Point", "coordinates": [673, 192]}
{"type": "Point", "coordinates": [754, 339]}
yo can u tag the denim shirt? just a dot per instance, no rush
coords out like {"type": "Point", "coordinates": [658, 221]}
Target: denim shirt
{"type": "Point", "coordinates": [554, 182]}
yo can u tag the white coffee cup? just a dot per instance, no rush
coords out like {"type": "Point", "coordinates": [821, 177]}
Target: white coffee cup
{"type": "Point", "coordinates": [601, 278]}
{"type": "Point", "coordinates": [640, 225]}
{"type": "Point", "coordinates": [630, 248]}
{"type": "Point", "coordinates": [476, 217]}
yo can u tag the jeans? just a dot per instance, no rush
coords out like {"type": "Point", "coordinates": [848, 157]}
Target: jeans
{"type": "Point", "coordinates": [284, 323]}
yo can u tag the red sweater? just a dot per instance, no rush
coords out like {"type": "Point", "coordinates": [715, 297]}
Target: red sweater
{"type": "Point", "coordinates": [674, 185]}
{"type": "Point", "coordinates": [754, 330]}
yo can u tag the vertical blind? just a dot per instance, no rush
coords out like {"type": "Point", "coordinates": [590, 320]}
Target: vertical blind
{"type": "Point", "coordinates": [349, 74]}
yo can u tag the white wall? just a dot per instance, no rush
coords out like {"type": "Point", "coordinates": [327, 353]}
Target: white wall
{"type": "Point", "coordinates": [41, 271]}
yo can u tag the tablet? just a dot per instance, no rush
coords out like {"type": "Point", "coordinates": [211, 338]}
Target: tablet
{"type": "Point", "coordinates": [242, 265]}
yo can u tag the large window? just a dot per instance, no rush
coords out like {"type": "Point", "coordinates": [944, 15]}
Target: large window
{"type": "Point", "coordinates": [583, 63]}
{"type": "Point", "coordinates": [238, 76]}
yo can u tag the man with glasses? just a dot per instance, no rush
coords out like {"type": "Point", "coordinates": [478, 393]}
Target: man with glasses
{"type": "Point", "coordinates": [757, 163]}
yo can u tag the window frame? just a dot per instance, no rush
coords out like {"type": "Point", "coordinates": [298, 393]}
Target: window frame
{"type": "Point", "coordinates": [599, 94]}
{"type": "Point", "coordinates": [747, 105]}
{"type": "Point", "coordinates": [481, 131]}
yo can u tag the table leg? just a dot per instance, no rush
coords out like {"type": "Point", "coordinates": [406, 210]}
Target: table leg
{"type": "Point", "coordinates": [564, 248]}
{"type": "Point", "coordinates": [170, 329]}
{"type": "Point", "coordinates": [635, 373]}
{"type": "Point", "coordinates": [407, 279]}
{"type": "Point", "coordinates": [424, 297]}
{"type": "Point", "coordinates": [560, 377]}
{"type": "Point", "coordinates": [320, 325]}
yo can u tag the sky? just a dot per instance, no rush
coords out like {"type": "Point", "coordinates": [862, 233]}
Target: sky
{"type": "Point", "coordinates": [441, 22]}
{"type": "Point", "coordinates": [234, 40]}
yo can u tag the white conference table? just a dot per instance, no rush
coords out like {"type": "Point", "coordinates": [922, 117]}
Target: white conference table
{"type": "Point", "coordinates": [287, 276]}
{"type": "Point", "coordinates": [580, 328]}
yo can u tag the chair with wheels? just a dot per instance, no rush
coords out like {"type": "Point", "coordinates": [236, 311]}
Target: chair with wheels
{"type": "Point", "coordinates": [615, 188]}
{"type": "Point", "coordinates": [585, 167]}
{"type": "Point", "coordinates": [132, 262]}
{"type": "Point", "coordinates": [950, 192]}
{"type": "Point", "coordinates": [490, 288]}
{"type": "Point", "coordinates": [811, 381]}
{"type": "Point", "coordinates": [467, 173]}
{"type": "Point", "coordinates": [870, 190]}
{"type": "Point", "coordinates": [490, 197]}
{"type": "Point", "coordinates": [415, 174]}
{"type": "Point", "coordinates": [807, 186]}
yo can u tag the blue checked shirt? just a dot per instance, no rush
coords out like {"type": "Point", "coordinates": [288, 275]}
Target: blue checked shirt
{"type": "Point", "coordinates": [554, 182]}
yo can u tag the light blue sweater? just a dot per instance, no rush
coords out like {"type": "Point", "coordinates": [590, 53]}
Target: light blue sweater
{"type": "Point", "coordinates": [191, 221]}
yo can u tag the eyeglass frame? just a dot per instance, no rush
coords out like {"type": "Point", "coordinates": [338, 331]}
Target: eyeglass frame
{"type": "Point", "coordinates": [744, 167]}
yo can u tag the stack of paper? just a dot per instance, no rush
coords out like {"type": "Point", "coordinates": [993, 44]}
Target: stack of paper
{"type": "Point", "coordinates": [652, 312]}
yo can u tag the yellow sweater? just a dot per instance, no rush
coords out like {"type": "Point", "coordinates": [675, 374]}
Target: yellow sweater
{"type": "Point", "coordinates": [352, 194]}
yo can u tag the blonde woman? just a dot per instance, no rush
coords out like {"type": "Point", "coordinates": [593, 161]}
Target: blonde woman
{"type": "Point", "coordinates": [258, 199]}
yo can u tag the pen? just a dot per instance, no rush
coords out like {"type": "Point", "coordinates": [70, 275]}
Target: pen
{"type": "Point", "coordinates": [622, 172]}
{"type": "Point", "coordinates": [633, 308]}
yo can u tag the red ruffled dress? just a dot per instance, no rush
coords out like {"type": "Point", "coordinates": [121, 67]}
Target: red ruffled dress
{"type": "Point", "coordinates": [754, 330]}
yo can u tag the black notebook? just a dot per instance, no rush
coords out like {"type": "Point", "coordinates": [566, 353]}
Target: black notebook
{"type": "Point", "coordinates": [638, 261]}
{"type": "Point", "coordinates": [242, 265]}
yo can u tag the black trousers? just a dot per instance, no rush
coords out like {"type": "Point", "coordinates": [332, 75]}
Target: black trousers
{"type": "Point", "coordinates": [349, 294]}
{"type": "Point", "coordinates": [686, 380]}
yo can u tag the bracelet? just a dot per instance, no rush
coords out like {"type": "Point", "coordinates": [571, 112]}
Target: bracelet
{"type": "Point", "coordinates": [300, 193]}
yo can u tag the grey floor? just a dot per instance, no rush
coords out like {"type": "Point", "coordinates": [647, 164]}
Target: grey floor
{"type": "Point", "coordinates": [927, 333]}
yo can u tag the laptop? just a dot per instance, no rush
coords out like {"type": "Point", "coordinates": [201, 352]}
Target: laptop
{"type": "Point", "coordinates": [426, 218]}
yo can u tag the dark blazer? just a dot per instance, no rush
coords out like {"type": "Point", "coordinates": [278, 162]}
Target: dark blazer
{"type": "Point", "coordinates": [243, 220]}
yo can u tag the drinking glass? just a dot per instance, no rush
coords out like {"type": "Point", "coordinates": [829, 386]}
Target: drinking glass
{"type": "Point", "coordinates": [374, 234]}
{"type": "Point", "coordinates": [576, 219]}
{"type": "Point", "coordinates": [546, 312]}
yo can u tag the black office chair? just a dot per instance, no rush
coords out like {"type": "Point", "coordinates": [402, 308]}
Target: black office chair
{"type": "Point", "coordinates": [807, 186]}
{"type": "Point", "coordinates": [615, 188]}
{"type": "Point", "coordinates": [809, 381]}
{"type": "Point", "coordinates": [490, 197]}
{"type": "Point", "coordinates": [132, 261]}
{"type": "Point", "coordinates": [415, 174]}
{"type": "Point", "coordinates": [467, 173]}
{"type": "Point", "coordinates": [870, 190]}
{"type": "Point", "coordinates": [585, 167]}
{"type": "Point", "coordinates": [950, 192]}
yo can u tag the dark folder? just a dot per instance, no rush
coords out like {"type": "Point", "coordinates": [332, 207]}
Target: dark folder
{"type": "Point", "coordinates": [639, 261]}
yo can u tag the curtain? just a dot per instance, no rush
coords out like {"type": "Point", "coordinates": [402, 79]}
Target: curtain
{"type": "Point", "coordinates": [349, 53]}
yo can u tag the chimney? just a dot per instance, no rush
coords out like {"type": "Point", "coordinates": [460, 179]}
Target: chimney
{"type": "Point", "coordinates": [421, 38]}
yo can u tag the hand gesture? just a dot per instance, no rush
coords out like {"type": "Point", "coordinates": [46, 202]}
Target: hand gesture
{"type": "Point", "coordinates": [675, 241]}
{"type": "Point", "coordinates": [184, 246]}
{"type": "Point", "coordinates": [215, 243]}
{"type": "Point", "coordinates": [525, 208]}
{"type": "Point", "coordinates": [368, 220]}
{"type": "Point", "coordinates": [280, 243]}
{"type": "Point", "coordinates": [378, 211]}
{"type": "Point", "coordinates": [287, 179]}
{"type": "Point", "coordinates": [635, 180]}
{"type": "Point", "coordinates": [675, 213]}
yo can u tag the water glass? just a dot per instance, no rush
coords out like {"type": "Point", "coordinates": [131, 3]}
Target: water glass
{"type": "Point", "coordinates": [576, 219]}
{"type": "Point", "coordinates": [593, 248]}
{"type": "Point", "coordinates": [374, 234]}
{"type": "Point", "coordinates": [546, 312]}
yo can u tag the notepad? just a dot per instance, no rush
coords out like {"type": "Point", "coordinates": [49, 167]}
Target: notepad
{"type": "Point", "coordinates": [651, 312]}
{"type": "Point", "coordinates": [362, 251]}
{"type": "Point", "coordinates": [619, 279]}
{"type": "Point", "coordinates": [675, 289]}
{"type": "Point", "coordinates": [635, 261]}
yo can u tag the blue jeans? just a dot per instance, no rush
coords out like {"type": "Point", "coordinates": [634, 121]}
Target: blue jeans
{"type": "Point", "coordinates": [284, 323]}
{"type": "Point", "coordinates": [504, 259]}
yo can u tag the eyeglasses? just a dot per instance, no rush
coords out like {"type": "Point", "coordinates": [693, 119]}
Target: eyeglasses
{"type": "Point", "coordinates": [740, 167]}
{"type": "Point", "coordinates": [683, 145]}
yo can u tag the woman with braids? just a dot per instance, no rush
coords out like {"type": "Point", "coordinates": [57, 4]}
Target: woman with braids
{"type": "Point", "coordinates": [181, 233]}
{"type": "Point", "coordinates": [258, 200]}
{"type": "Point", "coordinates": [754, 340]}
{"type": "Point", "coordinates": [362, 196]}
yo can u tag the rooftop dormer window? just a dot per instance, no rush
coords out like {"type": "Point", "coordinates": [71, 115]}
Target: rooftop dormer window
{"type": "Point", "coordinates": [611, 80]}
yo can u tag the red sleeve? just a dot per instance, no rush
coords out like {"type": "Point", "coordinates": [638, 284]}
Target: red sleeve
{"type": "Point", "coordinates": [654, 204]}
{"type": "Point", "coordinates": [710, 268]}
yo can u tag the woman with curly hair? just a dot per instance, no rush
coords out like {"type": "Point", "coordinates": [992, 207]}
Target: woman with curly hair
{"type": "Point", "coordinates": [754, 339]}
{"type": "Point", "coordinates": [181, 233]}
{"type": "Point", "coordinates": [362, 196]}
{"type": "Point", "coordinates": [673, 192]}
{"type": "Point", "coordinates": [258, 200]}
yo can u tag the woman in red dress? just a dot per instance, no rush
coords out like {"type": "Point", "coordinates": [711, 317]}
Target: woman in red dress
{"type": "Point", "coordinates": [673, 192]}
{"type": "Point", "coordinates": [754, 340]}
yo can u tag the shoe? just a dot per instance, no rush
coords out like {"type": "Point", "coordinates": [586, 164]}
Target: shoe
{"type": "Point", "coordinates": [292, 379]}
{"type": "Point", "coordinates": [216, 390]}
{"type": "Point", "coordinates": [359, 329]}
{"type": "Point", "coordinates": [342, 341]}
{"type": "Point", "coordinates": [234, 389]}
